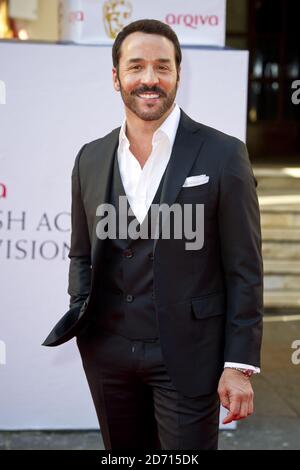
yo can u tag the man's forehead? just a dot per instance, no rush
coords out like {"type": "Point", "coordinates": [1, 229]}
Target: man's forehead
{"type": "Point", "coordinates": [138, 41]}
{"type": "Point", "coordinates": [141, 46]}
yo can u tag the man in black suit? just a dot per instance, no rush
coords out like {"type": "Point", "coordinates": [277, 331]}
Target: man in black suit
{"type": "Point", "coordinates": [166, 330]}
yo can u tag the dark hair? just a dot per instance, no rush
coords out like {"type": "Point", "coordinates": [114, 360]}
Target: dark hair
{"type": "Point", "coordinates": [148, 27]}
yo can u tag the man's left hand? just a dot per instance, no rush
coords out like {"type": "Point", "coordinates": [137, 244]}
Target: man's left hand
{"type": "Point", "coordinates": [236, 395]}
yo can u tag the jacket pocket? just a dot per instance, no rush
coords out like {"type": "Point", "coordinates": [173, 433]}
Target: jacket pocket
{"type": "Point", "coordinates": [194, 191]}
{"type": "Point", "coordinates": [208, 306]}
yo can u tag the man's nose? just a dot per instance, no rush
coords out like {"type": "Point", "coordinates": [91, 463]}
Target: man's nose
{"type": "Point", "coordinates": [149, 77]}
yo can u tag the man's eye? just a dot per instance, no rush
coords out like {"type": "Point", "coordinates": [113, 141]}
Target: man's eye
{"type": "Point", "coordinates": [136, 67]}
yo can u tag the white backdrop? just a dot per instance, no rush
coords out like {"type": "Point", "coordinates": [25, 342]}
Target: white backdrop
{"type": "Point", "coordinates": [99, 21]}
{"type": "Point", "coordinates": [57, 98]}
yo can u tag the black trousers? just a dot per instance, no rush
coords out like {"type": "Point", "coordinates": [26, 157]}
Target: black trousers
{"type": "Point", "coordinates": [137, 405]}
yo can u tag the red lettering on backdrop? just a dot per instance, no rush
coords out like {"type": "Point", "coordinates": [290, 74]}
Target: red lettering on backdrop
{"type": "Point", "coordinates": [213, 20]}
{"type": "Point", "coordinates": [188, 21]}
{"type": "Point", "coordinates": [191, 21]}
{"type": "Point", "coordinates": [202, 19]}
{"type": "Point", "coordinates": [3, 191]}
{"type": "Point", "coordinates": [75, 16]}
{"type": "Point", "coordinates": [170, 19]}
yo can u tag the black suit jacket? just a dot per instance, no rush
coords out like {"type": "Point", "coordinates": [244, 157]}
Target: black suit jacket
{"type": "Point", "coordinates": [209, 302]}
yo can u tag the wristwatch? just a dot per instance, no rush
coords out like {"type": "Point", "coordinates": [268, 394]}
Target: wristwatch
{"type": "Point", "coordinates": [247, 372]}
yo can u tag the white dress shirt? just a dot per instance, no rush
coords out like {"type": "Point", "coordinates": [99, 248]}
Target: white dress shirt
{"type": "Point", "coordinates": [141, 184]}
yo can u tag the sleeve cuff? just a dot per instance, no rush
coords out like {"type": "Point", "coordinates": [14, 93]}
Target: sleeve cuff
{"type": "Point", "coordinates": [242, 366]}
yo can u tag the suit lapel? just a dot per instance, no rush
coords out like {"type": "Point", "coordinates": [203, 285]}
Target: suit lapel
{"type": "Point", "coordinates": [103, 175]}
{"type": "Point", "coordinates": [186, 148]}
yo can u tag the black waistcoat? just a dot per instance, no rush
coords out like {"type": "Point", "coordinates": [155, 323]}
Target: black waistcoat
{"type": "Point", "coordinates": [127, 306]}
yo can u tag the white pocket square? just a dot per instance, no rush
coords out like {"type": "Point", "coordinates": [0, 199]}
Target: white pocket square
{"type": "Point", "coordinates": [195, 180]}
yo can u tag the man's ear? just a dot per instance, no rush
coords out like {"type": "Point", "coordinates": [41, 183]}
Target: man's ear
{"type": "Point", "coordinates": [178, 74]}
{"type": "Point", "coordinates": [116, 81]}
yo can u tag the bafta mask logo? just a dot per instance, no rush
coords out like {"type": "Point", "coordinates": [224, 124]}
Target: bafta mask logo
{"type": "Point", "coordinates": [116, 14]}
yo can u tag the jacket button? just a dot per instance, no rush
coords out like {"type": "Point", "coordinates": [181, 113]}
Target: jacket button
{"type": "Point", "coordinates": [129, 298]}
{"type": "Point", "coordinates": [151, 256]}
{"type": "Point", "coordinates": [128, 253]}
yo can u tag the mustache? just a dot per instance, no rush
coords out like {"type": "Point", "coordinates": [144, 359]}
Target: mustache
{"type": "Point", "coordinates": [154, 89]}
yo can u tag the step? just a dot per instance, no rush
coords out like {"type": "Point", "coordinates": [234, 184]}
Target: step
{"type": "Point", "coordinates": [281, 250]}
{"type": "Point", "coordinates": [280, 203]}
{"type": "Point", "coordinates": [285, 193]}
{"type": "Point", "coordinates": [278, 183]}
{"type": "Point", "coordinates": [279, 209]}
{"type": "Point", "coordinates": [280, 234]}
{"type": "Point", "coordinates": [281, 298]}
{"type": "Point", "coordinates": [282, 282]}
{"type": "Point", "coordinates": [280, 219]}
{"type": "Point", "coordinates": [281, 267]}
{"type": "Point", "coordinates": [277, 178]}
{"type": "Point", "coordinates": [276, 171]}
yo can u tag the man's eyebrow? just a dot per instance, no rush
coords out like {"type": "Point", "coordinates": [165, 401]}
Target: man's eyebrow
{"type": "Point", "coordinates": [140, 59]}
{"type": "Point", "coordinates": [165, 61]}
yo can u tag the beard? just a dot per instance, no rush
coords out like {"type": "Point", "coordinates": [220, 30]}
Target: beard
{"type": "Point", "coordinates": [153, 111]}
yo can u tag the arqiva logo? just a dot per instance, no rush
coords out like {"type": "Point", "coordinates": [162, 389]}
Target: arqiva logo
{"type": "Point", "coordinates": [3, 191]}
{"type": "Point", "coordinates": [192, 21]}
